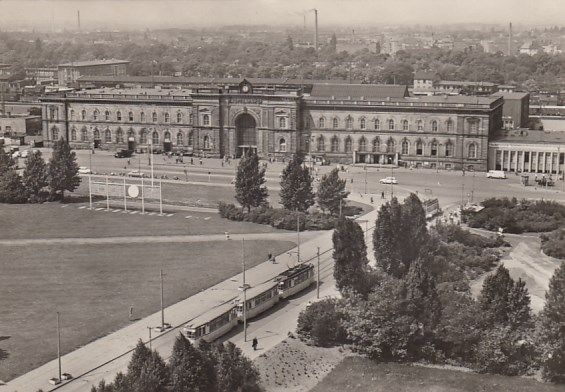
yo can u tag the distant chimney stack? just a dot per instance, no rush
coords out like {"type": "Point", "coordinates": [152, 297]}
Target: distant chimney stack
{"type": "Point", "coordinates": [78, 20]}
{"type": "Point", "coordinates": [316, 28]}
{"type": "Point", "coordinates": [510, 40]}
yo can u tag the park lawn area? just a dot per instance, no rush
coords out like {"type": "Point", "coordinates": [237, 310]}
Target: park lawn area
{"type": "Point", "coordinates": [363, 375]}
{"type": "Point", "coordinates": [56, 220]}
{"type": "Point", "coordinates": [93, 286]}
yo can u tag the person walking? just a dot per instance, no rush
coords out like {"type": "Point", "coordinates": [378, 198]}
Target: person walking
{"type": "Point", "coordinates": [227, 235]}
{"type": "Point", "coordinates": [254, 344]}
{"type": "Point", "coordinates": [382, 195]}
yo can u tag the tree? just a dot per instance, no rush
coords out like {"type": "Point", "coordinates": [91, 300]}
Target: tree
{"type": "Point", "coordinates": [153, 376]}
{"type": "Point", "coordinates": [350, 257]}
{"type": "Point", "coordinates": [6, 162]}
{"type": "Point", "coordinates": [63, 169]}
{"type": "Point", "coordinates": [321, 323]}
{"type": "Point", "coordinates": [331, 192]}
{"type": "Point", "coordinates": [11, 188]}
{"type": "Point", "coordinates": [413, 227]}
{"type": "Point", "coordinates": [296, 187]}
{"type": "Point", "coordinates": [386, 240]}
{"type": "Point", "coordinates": [35, 177]}
{"type": "Point", "coordinates": [190, 369]}
{"type": "Point", "coordinates": [139, 357]}
{"type": "Point", "coordinates": [249, 182]}
{"type": "Point", "coordinates": [234, 370]}
{"type": "Point", "coordinates": [551, 329]}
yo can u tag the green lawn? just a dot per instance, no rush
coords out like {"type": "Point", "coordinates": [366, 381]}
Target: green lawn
{"type": "Point", "coordinates": [362, 375]}
{"type": "Point", "coordinates": [93, 286]}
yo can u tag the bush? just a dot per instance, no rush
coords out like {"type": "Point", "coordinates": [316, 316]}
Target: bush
{"type": "Point", "coordinates": [321, 323]}
{"type": "Point", "coordinates": [553, 244]}
{"type": "Point", "coordinates": [278, 217]}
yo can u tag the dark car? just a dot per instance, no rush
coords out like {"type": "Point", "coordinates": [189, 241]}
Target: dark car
{"type": "Point", "coordinates": [123, 153]}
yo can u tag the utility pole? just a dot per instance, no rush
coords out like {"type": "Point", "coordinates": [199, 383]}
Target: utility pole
{"type": "Point", "coordinates": [149, 328]}
{"type": "Point", "coordinates": [162, 308]}
{"type": "Point", "coordinates": [318, 276]}
{"type": "Point", "coordinates": [365, 179]}
{"type": "Point", "coordinates": [298, 238]}
{"type": "Point", "coordinates": [244, 292]}
{"type": "Point", "coordinates": [59, 344]}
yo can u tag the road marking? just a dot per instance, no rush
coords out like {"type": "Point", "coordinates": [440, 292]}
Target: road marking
{"type": "Point", "coordinates": [188, 217]}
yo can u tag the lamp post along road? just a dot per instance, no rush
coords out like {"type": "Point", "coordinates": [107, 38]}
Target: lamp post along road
{"type": "Point", "coordinates": [59, 345]}
{"type": "Point", "coordinates": [162, 303]}
{"type": "Point", "coordinates": [244, 288]}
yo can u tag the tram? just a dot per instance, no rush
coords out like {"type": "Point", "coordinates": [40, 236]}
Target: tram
{"type": "Point", "coordinates": [212, 324]}
{"type": "Point", "coordinates": [295, 279]}
{"type": "Point", "coordinates": [258, 299]}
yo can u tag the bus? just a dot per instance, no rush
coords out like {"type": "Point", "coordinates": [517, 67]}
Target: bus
{"type": "Point", "coordinates": [295, 279]}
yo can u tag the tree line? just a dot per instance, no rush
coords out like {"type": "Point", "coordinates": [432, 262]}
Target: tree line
{"type": "Point", "coordinates": [415, 304]}
{"type": "Point", "coordinates": [39, 180]}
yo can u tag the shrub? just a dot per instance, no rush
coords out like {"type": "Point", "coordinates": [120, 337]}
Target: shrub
{"type": "Point", "coordinates": [553, 244]}
{"type": "Point", "coordinates": [321, 323]}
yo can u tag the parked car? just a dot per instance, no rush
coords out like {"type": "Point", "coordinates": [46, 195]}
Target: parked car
{"type": "Point", "coordinates": [496, 174]}
{"type": "Point", "coordinates": [388, 180]}
{"type": "Point", "coordinates": [16, 154]}
{"type": "Point", "coordinates": [84, 170]}
{"type": "Point", "coordinates": [123, 153]}
{"type": "Point", "coordinates": [136, 173]}
{"type": "Point", "coordinates": [24, 154]}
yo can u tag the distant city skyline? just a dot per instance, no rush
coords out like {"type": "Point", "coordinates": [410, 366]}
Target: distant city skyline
{"type": "Point", "coordinates": [136, 14]}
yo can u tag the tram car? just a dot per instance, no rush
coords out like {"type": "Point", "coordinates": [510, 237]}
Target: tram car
{"type": "Point", "coordinates": [295, 279]}
{"type": "Point", "coordinates": [212, 324]}
{"type": "Point", "coordinates": [259, 299]}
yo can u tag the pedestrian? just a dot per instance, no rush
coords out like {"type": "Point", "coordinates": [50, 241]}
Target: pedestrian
{"type": "Point", "coordinates": [131, 313]}
{"type": "Point", "coordinates": [192, 161]}
{"type": "Point", "coordinates": [201, 161]}
{"type": "Point", "coordinates": [371, 200]}
{"type": "Point", "coordinates": [352, 180]}
{"type": "Point", "coordinates": [254, 344]}
{"type": "Point", "coordinates": [227, 235]}
{"type": "Point", "coordinates": [382, 194]}
{"type": "Point", "coordinates": [274, 260]}
{"type": "Point", "coordinates": [128, 161]}
{"type": "Point", "coordinates": [269, 256]}
{"type": "Point", "coordinates": [222, 163]}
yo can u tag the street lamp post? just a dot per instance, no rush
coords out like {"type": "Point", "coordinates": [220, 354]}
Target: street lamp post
{"type": "Point", "coordinates": [365, 179]}
{"type": "Point", "coordinates": [391, 182]}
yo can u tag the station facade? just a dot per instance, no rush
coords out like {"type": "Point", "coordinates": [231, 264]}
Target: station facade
{"type": "Point", "coordinates": [277, 118]}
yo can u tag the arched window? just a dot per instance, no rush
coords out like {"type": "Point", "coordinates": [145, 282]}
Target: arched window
{"type": "Point", "coordinates": [142, 117]}
{"type": "Point", "coordinates": [191, 138]}
{"type": "Point", "coordinates": [434, 126]}
{"type": "Point", "coordinates": [363, 144]}
{"type": "Point", "coordinates": [167, 117]}
{"type": "Point", "coordinates": [107, 136]}
{"type": "Point", "coordinates": [96, 134]}
{"type": "Point", "coordinates": [420, 125]}
{"type": "Point", "coordinates": [180, 138]}
{"type": "Point", "coordinates": [206, 142]}
{"type": "Point", "coordinates": [335, 144]}
{"type": "Point", "coordinates": [118, 116]}
{"type": "Point", "coordinates": [321, 145]}
{"type": "Point", "coordinates": [143, 136]}
{"type": "Point", "coordinates": [349, 123]}
{"type": "Point", "coordinates": [405, 125]}
{"type": "Point", "coordinates": [419, 148]}
{"type": "Point", "coordinates": [282, 122]}
{"type": "Point", "coordinates": [377, 124]}
{"type": "Point", "coordinates": [131, 135]}
{"type": "Point", "coordinates": [84, 135]}
{"type": "Point", "coordinates": [391, 125]}
{"type": "Point", "coordinates": [206, 120]}
{"type": "Point", "coordinates": [72, 114]}
{"type": "Point", "coordinates": [155, 137]}
{"type": "Point", "coordinates": [55, 133]}
{"type": "Point", "coordinates": [96, 114]}
{"type": "Point", "coordinates": [404, 147]}
{"type": "Point", "coordinates": [433, 150]}
{"type": "Point", "coordinates": [376, 145]}
{"type": "Point", "coordinates": [107, 115]}
{"type": "Point", "coordinates": [73, 134]}
{"type": "Point", "coordinates": [179, 118]}
{"type": "Point", "coordinates": [449, 126]}
{"type": "Point", "coordinates": [282, 145]}
{"type": "Point", "coordinates": [321, 122]}
{"type": "Point", "coordinates": [190, 118]}
{"type": "Point", "coordinates": [83, 115]}
{"type": "Point", "coordinates": [472, 152]}
{"type": "Point", "coordinates": [119, 136]}
{"type": "Point", "coordinates": [449, 149]}
{"type": "Point", "coordinates": [363, 123]}
{"type": "Point", "coordinates": [390, 146]}
{"type": "Point", "coordinates": [167, 136]}
{"type": "Point", "coordinates": [348, 144]}
{"type": "Point", "coordinates": [130, 115]}
{"type": "Point", "coordinates": [154, 117]}
{"type": "Point", "coordinates": [335, 123]}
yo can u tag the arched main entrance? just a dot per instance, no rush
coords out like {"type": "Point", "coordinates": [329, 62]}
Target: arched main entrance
{"type": "Point", "coordinates": [246, 134]}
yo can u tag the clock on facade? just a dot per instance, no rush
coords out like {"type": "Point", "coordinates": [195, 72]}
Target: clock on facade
{"type": "Point", "coordinates": [245, 89]}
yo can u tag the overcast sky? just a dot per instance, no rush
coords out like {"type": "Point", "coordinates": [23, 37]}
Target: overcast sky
{"type": "Point", "coordinates": [198, 13]}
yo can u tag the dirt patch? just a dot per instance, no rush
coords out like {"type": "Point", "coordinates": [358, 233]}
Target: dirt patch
{"type": "Point", "coordinates": [293, 366]}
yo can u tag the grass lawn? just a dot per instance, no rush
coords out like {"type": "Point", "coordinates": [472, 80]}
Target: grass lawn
{"type": "Point", "coordinates": [362, 375]}
{"type": "Point", "coordinates": [93, 286]}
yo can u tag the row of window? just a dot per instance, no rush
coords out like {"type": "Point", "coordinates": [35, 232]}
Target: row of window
{"type": "Point", "coordinates": [390, 147]}
{"type": "Point", "coordinates": [391, 125]}
{"type": "Point", "coordinates": [96, 116]}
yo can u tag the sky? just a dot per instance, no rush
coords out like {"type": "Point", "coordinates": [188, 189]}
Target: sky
{"type": "Point", "coordinates": [202, 13]}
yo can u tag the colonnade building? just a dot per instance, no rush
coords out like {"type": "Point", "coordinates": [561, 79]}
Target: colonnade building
{"type": "Point", "coordinates": [372, 124]}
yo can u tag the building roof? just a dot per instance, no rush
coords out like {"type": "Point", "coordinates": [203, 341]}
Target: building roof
{"type": "Point", "coordinates": [424, 75]}
{"type": "Point", "coordinates": [528, 136]}
{"type": "Point", "coordinates": [466, 83]}
{"type": "Point", "coordinates": [90, 63]}
{"type": "Point", "coordinates": [366, 91]}
{"type": "Point", "coordinates": [514, 95]}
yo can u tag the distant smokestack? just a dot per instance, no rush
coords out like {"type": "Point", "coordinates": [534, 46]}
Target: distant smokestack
{"type": "Point", "coordinates": [304, 22]}
{"type": "Point", "coordinates": [316, 27]}
{"type": "Point", "coordinates": [78, 20]}
{"type": "Point", "coordinates": [510, 40]}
